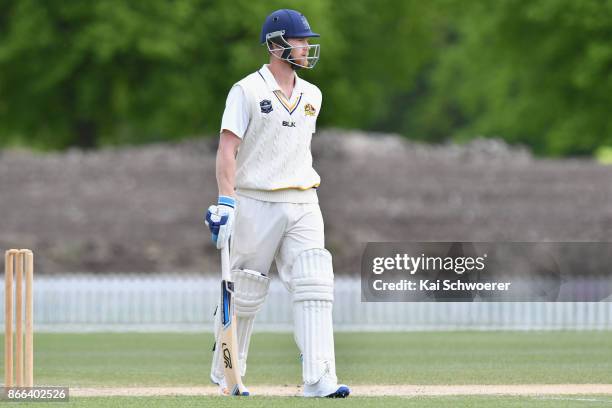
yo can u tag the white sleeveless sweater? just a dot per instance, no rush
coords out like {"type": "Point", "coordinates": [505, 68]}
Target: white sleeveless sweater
{"type": "Point", "coordinates": [274, 161]}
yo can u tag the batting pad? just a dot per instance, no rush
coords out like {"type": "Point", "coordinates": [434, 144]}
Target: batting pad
{"type": "Point", "coordinates": [313, 295]}
{"type": "Point", "coordinates": [250, 291]}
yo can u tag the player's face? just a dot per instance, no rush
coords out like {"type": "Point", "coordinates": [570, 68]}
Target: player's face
{"type": "Point", "coordinates": [300, 53]}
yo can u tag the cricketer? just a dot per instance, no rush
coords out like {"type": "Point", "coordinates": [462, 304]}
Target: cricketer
{"type": "Point", "coordinates": [268, 202]}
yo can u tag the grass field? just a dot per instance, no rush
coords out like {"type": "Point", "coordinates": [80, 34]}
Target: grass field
{"type": "Point", "coordinates": [425, 358]}
{"type": "Point", "coordinates": [366, 402]}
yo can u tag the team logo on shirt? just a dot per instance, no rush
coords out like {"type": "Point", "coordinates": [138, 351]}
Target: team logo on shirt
{"type": "Point", "coordinates": [266, 106]}
{"type": "Point", "coordinates": [309, 110]}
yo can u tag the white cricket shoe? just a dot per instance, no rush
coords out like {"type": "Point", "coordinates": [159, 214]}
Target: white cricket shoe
{"type": "Point", "coordinates": [223, 390]}
{"type": "Point", "coordinates": [326, 388]}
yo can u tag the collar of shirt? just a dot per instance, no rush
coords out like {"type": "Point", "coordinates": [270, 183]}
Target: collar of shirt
{"type": "Point", "coordinates": [268, 77]}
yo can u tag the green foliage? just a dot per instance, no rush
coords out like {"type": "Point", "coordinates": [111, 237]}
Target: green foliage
{"type": "Point", "coordinates": [603, 155]}
{"type": "Point", "coordinates": [381, 47]}
{"type": "Point", "coordinates": [90, 73]}
{"type": "Point", "coordinates": [535, 72]}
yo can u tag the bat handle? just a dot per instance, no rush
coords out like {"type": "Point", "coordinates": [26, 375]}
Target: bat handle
{"type": "Point", "coordinates": [225, 263]}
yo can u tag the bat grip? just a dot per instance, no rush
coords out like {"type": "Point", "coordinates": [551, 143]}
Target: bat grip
{"type": "Point", "coordinates": [225, 263]}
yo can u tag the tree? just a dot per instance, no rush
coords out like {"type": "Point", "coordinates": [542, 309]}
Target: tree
{"type": "Point", "coordinates": [535, 72]}
{"type": "Point", "coordinates": [90, 73]}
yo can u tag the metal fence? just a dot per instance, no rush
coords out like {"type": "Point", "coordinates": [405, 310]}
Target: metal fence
{"type": "Point", "coordinates": [186, 303]}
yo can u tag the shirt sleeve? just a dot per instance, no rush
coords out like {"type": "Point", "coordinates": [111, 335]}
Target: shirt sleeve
{"type": "Point", "coordinates": [237, 114]}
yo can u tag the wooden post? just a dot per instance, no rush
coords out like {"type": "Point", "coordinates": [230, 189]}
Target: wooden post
{"type": "Point", "coordinates": [29, 306]}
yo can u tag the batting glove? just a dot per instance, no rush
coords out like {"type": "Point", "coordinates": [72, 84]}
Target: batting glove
{"type": "Point", "coordinates": [220, 220]}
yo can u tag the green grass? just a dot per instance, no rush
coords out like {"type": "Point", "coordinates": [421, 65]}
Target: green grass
{"type": "Point", "coordinates": [365, 402]}
{"type": "Point", "coordinates": [476, 358]}
{"type": "Point", "coordinates": [173, 359]}
{"type": "Point", "coordinates": [166, 359]}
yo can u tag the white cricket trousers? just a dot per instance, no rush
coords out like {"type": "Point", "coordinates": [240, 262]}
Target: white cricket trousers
{"type": "Point", "coordinates": [265, 231]}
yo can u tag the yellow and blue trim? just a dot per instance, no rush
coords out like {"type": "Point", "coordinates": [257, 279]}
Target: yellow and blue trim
{"type": "Point", "coordinates": [286, 103]}
{"type": "Point", "coordinates": [282, 98]}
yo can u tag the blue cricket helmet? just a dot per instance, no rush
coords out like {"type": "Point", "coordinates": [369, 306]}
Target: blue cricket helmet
{"type": "Point", "coordinates": [291, 23]}
{"type": "Point", "coordinates": [286, 24]}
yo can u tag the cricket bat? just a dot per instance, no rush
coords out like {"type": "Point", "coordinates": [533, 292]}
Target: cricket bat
{"type": "Point", "coordinates": [228, 337]}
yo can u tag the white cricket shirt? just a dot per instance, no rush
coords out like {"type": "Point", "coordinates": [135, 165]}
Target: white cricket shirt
{"type": "Point", "coordinates": [274, 161]}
